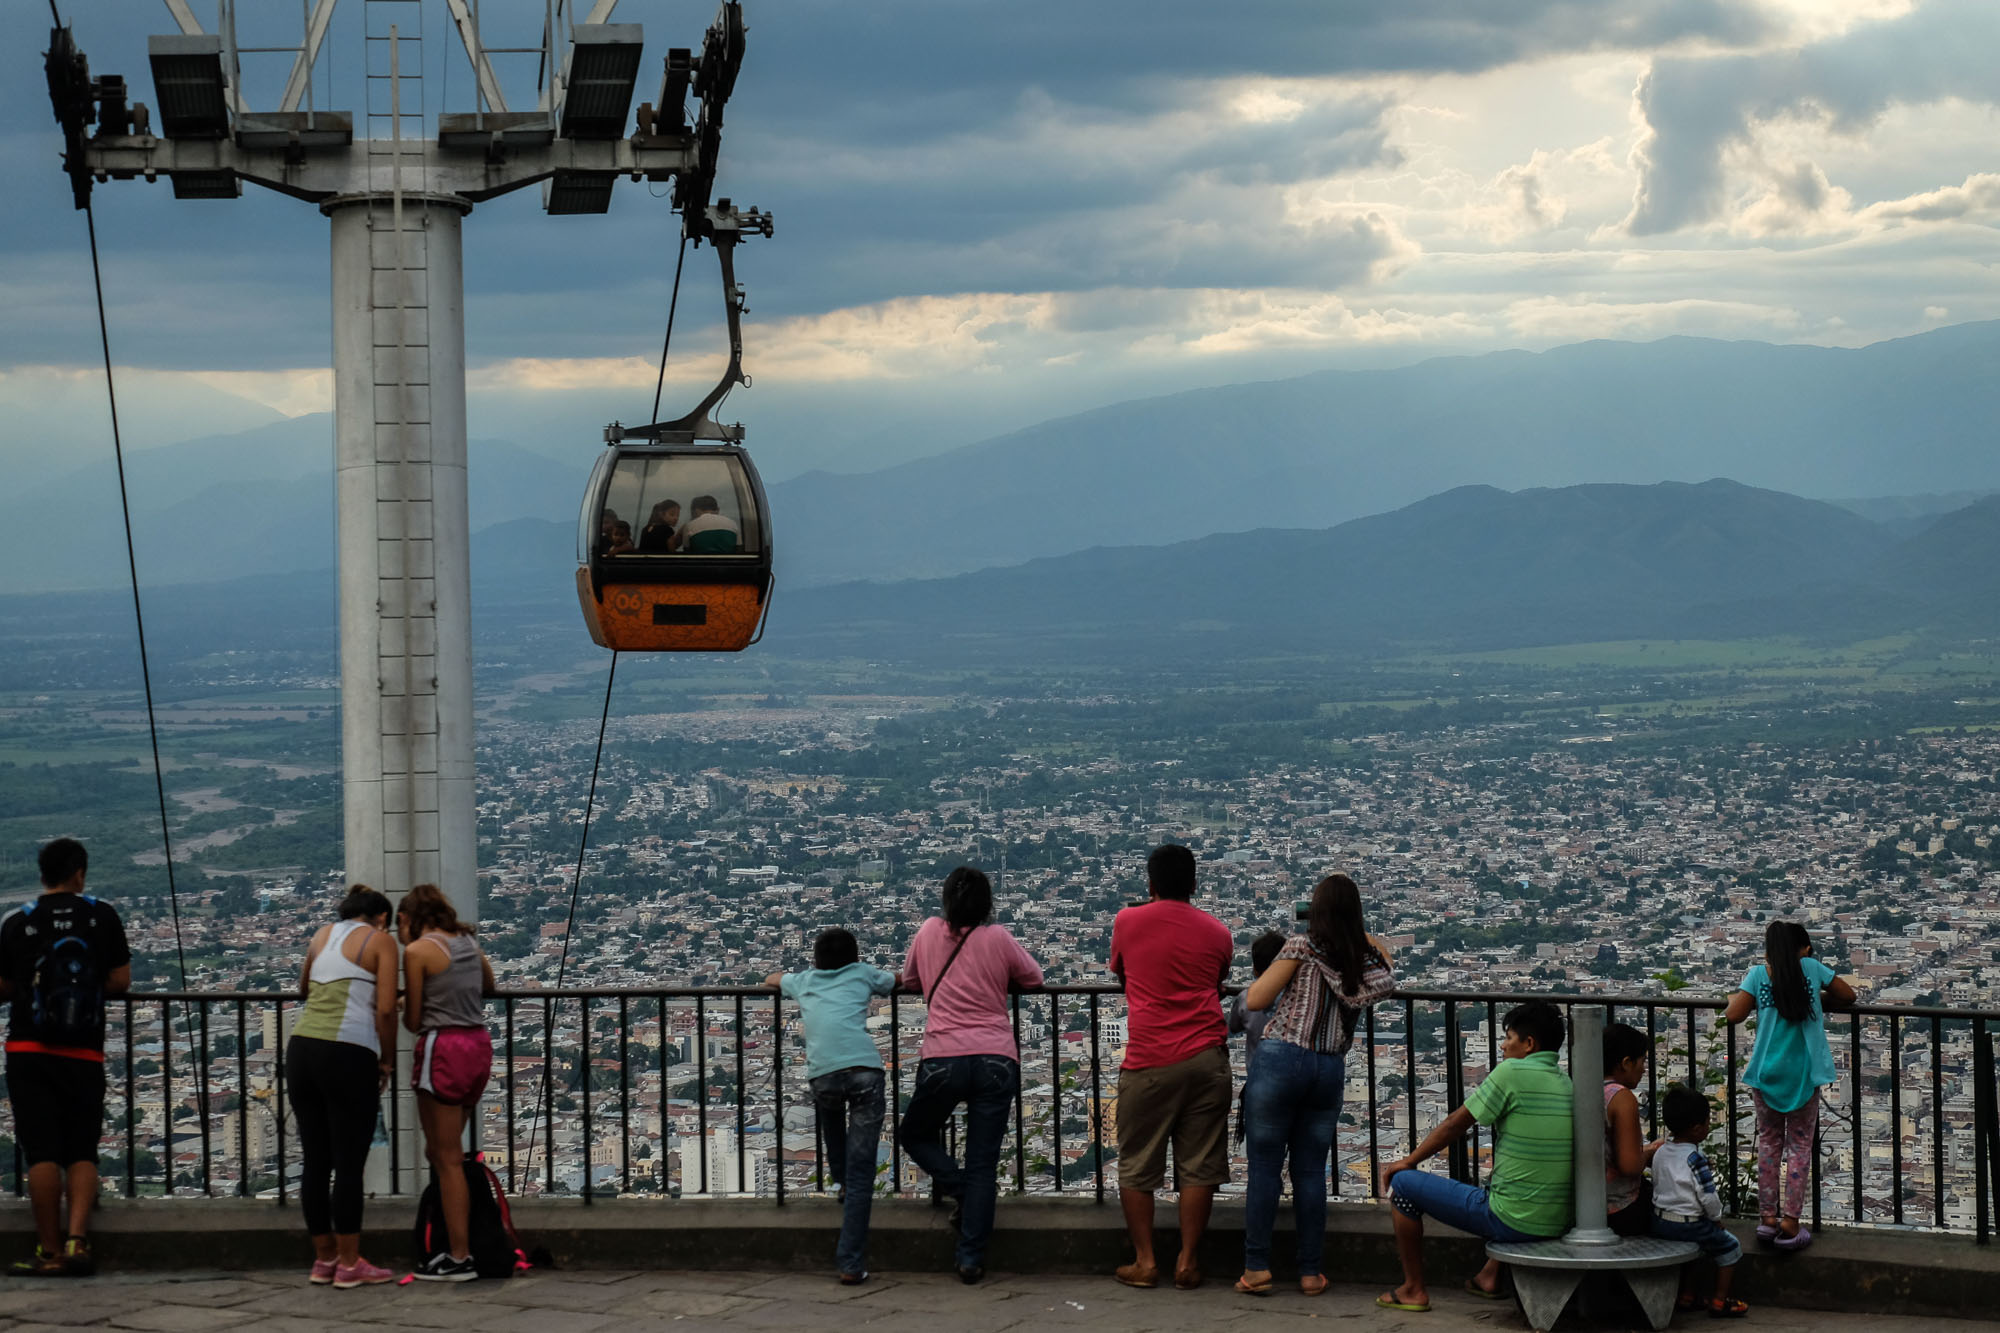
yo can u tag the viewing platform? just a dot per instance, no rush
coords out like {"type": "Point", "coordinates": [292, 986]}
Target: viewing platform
{"type": "Point", "coordinates": [658, 1143]}
{"type": "Point", "coordinates": [636, 1265]}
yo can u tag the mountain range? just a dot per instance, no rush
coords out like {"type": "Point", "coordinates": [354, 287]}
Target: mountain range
{"type": "Point", "coordinates": [1472, 567]}
{"type": "Point", "coordinates": [1911, 418]}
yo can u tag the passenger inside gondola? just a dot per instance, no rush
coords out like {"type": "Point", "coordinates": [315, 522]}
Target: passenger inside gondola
{"type": "Point", "coordinates": [708, 532]}
{"type": "Point", "coordinates": [621, 538]}
{"type": "Point", "coordinates": [606, 522]}
{"type": "Point", "coordinates": [659, 536]}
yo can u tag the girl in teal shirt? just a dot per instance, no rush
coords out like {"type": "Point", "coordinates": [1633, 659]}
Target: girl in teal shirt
{"type": "Point", "coordinates": [1789, 1064]}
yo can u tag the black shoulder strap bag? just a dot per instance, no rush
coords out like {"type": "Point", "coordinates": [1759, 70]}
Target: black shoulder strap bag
{"type": "Point", "coordinates": [938, 980]}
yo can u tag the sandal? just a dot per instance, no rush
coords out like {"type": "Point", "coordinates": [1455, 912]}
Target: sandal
{"type": "Point", "coordinates": [1320, 1290]}
{"type": "Point", "coordinates": [1387, 1300]}
{"type": "Point", "coordinates": [1473, 1288]}
{"type": "Point", "coordinates": [1249, 1288]}
{"type": "Point", "coordinates": [42, 1263]}
{"type": "Point", "coordinates": [1730, 1309]}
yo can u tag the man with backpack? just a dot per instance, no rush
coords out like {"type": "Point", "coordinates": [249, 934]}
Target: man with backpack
{"type": "Point", "coordinates": [60, 955]}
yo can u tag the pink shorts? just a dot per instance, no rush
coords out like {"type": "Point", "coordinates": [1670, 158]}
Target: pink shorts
{"type": "Point", "coordinates": [453, 1064]}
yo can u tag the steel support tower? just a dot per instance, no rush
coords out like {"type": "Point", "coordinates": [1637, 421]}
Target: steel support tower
{"type": "Point", "coordinates": [396, 199]}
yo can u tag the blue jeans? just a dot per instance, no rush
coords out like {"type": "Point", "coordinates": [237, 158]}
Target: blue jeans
{"type": "Point", "coordinates": [850, 1108]}
{"type": "Point", "coordinates": [1456, 1204]}
{"type": "Point", "coordinates": [986, 1085]}
{"type": "Point", "coordinates": [1713, 1237]}
{"type": "Point", "coordinates": [1291, 1107]}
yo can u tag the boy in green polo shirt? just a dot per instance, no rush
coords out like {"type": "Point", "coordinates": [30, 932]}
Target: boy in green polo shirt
{"type": "Point", "coordinates": [1530, 1103]}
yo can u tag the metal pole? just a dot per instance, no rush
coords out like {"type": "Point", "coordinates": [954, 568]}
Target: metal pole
{"type": "Point", "coordinates": [1586, 1065]}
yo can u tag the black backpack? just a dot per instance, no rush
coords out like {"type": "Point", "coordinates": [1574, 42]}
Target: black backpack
{"type": "Point", "coordinates": [496, 1250]}
{"type": "Point", "coordinates": [67, 997]}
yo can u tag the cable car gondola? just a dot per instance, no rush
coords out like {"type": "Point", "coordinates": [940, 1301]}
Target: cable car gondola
{"type": "Point", "coordinates": [673, 549]}
{"type": "Point", "coordinates": [674, 539]}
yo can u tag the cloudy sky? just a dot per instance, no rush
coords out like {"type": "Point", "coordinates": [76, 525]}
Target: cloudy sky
{"type": "Point", "coordinates": [993, 213]}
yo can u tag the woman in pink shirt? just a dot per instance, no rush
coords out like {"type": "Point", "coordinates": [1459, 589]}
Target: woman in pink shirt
{"type": "Point", "coordinates": [965, 967]}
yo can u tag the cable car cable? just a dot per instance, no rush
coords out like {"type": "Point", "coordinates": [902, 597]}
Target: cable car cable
{"type": "Point", "coordinates": [597, 760]}
{"type": "Point", "coordinates": [145, 665]}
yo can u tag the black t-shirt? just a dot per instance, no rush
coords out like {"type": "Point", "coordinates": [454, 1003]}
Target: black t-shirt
{"type": "Point", "coordinates": [25, 930]}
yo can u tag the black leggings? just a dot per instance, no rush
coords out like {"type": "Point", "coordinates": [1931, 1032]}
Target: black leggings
{"type": "Point", "coordinates": [332, 1089]}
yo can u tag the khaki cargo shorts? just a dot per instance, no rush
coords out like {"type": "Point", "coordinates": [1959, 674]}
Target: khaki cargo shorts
{"type": "Point", "coordinates": [1185, 1104]}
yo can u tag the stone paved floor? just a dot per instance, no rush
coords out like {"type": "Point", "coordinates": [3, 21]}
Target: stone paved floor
{"type": "Point", "coordinates": [587, 1302]}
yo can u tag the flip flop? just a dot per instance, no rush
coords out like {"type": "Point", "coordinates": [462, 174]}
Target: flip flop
{"type": "Point", "coordinates": [1388, 1301]}
{"type": "Point", "coordinates": [1731, 1309]}
{"type": "Point", "coordinates": [1248, 1288]}
{"type": "Point", "coordinates": [1320, 1290]}
{"type": "Point", "coordinates": [1473, 1288]}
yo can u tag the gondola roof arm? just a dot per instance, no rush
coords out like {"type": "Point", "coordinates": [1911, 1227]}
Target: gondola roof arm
{"type": "Point", "coordinates": [722, 225]}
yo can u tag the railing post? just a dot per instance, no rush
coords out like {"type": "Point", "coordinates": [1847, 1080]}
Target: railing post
{"type": "Point", "coordinates": [1860, 1171]}
{"type": "Point", "coordinates": [1374, 1111]}
{"type": "Point", "coordinates": [513, 1143]}
{"type": "Point", "coordinates": [1096, 1101]}
{"type": "Point", "coordinates": [896, 1096]}
{"type": "Point", "coordinates": [625, 1095]}
{"type": "Point", "coordinates": [701, 1088]}
{"type": "Point", "coordinates": [242, 1100]}
{"type": "Point", "coordinates": [131, 1111]}
{"type": "Point", "coordinates": [778, 1089]}
{"type": "Point", "coordinates": [1895, 1117]}
{"type": "Point", "coordinates": [583, 1076]}
{"type": "Point", "coordinates": [1454, 1089]}
{"type": "Point", "coordinates": [1984, 1130]}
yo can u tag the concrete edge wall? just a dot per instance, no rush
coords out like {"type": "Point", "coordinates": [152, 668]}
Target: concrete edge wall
{"type": "Point", "coordinates": [1857, 1270]}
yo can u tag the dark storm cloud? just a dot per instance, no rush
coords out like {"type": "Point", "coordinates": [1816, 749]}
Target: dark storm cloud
{"type": "Point", "coordinates": [908, 146]}
{"type": "Point", "coordinates": [1698, 107]}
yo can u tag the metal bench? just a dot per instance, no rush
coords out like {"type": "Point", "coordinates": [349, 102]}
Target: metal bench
{"type": "Point", "coordinates": [1547, 1272]}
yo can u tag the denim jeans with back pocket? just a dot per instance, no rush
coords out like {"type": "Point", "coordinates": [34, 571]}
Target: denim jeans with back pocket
{"type": "Point", "coordinates": [985, 1084]}
{"type": "Point", "coordinates": [850, 1108]}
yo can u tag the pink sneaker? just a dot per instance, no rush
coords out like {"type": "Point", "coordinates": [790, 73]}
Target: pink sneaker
{"type": "Point", "coordinates": [363, 1274]}
{"type": "Point", "coordinates": [322, 1273]}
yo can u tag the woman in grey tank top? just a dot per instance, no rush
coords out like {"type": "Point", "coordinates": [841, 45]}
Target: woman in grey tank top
{"type": "Point", "coordinates": [445, 980]}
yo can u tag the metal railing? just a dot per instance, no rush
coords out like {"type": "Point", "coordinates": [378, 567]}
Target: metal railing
{"type": "Point", "coordinates": [685, 1091]}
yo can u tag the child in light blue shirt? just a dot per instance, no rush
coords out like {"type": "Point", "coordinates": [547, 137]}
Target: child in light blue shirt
{"type": "Point", "coordinates": [845, 1072]}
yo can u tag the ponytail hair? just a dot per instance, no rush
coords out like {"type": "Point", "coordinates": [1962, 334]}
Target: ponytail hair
{"type": "Point", "coordinates": [425, 908]}
{"type": "Point", "coordinates": [1790, 995]}
{"type": "Point", "coordinates": [968, 898]}
{"type": "Point", "coordinates": [364, 903]}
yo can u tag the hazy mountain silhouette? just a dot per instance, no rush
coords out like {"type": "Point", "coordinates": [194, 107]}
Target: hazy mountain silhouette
{"type": "Point", "coordinates": [1912, 415]}
{"type": "Point", "coordinates": [1474, 566]}
{"type": "Point", "coordinates": [259, 501]}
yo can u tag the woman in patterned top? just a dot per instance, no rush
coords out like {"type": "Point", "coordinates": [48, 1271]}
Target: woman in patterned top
{"type": "Point", "coordinates": [1315, 990]}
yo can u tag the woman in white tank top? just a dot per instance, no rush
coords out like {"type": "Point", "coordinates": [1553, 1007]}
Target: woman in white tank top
{"type": "Point", "coordinates": [338, 1060]}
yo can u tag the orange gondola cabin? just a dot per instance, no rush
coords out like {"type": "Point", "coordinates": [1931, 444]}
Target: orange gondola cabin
{"type": "Point", "coordinates": [674, 549]}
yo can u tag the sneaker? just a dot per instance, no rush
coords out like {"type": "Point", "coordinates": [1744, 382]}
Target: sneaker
{"type": "Point", "coordinates": [362, 1274]}
{"type": "Point", "coordinates": [322, 1272]}
{"type": "Point", "coordinates": [78, 1261]}
{"type": "Point", "coordinates": [441, 1267]}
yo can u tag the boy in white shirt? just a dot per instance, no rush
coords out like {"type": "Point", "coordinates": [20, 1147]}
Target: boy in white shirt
{"type": "Point", "coordinates": [1686, 1205]}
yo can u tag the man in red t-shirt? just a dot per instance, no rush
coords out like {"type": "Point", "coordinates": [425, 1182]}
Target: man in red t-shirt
{"type": "Point", "coordinates": [1174, 1085]}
